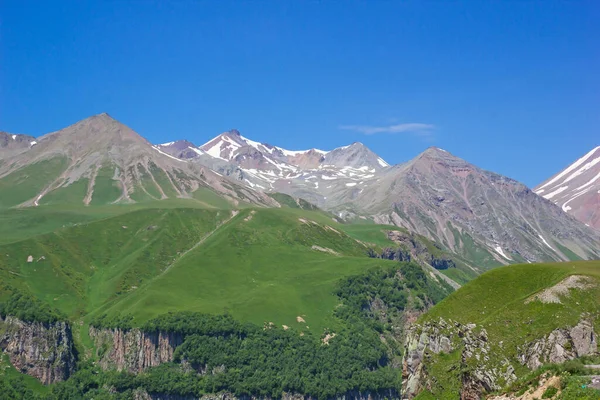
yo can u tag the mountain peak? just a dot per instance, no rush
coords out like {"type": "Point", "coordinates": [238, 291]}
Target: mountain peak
{"type": "Point", "coordinates": [436, 151]}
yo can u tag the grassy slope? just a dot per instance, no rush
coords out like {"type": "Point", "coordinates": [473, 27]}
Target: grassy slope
{"type": "Point", "coordinates": [496, 302]}
{"type": "Point", "coordinates": [261, 269]}
{"type": "Point", "coordinates": [25, 183]}
{"type": "Point", "coordinates": [21, 223]}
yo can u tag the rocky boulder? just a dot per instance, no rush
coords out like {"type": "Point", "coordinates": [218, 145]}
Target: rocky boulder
{"type": "Point", "coordinates": [561, 345]}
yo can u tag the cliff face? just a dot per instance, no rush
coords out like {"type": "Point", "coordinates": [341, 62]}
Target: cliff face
{"type": "Point", "coordinates": [134, 350]}
{"type": "Point", "coordinates": [44, 351]}
{"type": "Point", "coordinates": [481, 370]}
{"type": "Point", "coordinates": [480, 374]}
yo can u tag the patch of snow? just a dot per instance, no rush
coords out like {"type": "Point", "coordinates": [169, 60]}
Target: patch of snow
{"type": "Point", "coordinates": [501, 252]}
{"type": "Point", "coordinates": [546, 243]}
{"type": "Point", "coordinates": [166, 144]}
{"type": "Point", "coordinates": [32, 143]}
{"type": "Point", "coordinates": [328, 178]}
{"type": "Point", "coordinates": [256, 145]}
{"type": "Point", "coordinates": [14, 137]}
{"type": "Point", "coordinates": [168, 155]}
{"type": "Point", "coordinates": [594, 179]}
{"type": "Point", "coordinates": [557, 191]}
{"type": "Point", "coordinates": [539, 191]}
{"type": "Point", "coordinates": [566, 207]}
{"type": "Point", "coordinates": [382, 162]}
{"type": "Point", "coordinates": [215, 151]}
{"type": "Point", "coordinates": [198, 151]}
{"type": "Point", "coordinates": [351, 184]}
{"type": "Point", "coordinates": [583, 169]}
{"type": "Point", "coordinates": [38, 199]}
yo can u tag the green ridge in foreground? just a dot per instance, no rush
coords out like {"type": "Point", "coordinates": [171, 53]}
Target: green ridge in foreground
{"type": "Point", "coordinates": [498, 301]}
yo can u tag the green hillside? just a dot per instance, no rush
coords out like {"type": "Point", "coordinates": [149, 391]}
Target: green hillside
{"type": "Point", "coordinates": [503, 302]}
{"type": "Point", "coordinates": [259, 264]}
{"type": "Point", "coordinates": [292, 269]}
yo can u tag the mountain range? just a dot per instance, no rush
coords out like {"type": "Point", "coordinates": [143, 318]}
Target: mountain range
{"type": "Point", "coordinates": [484, 217]}
{"type": "Point", "coordinates": [134, 270]}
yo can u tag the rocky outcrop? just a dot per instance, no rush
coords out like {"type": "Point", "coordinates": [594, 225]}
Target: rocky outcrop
{"type": "Point", "coordinates": [42, 350]}
{"type": "Point", "coordinates": [561, 345]}
{"type": "Point", "coordinates": [134, 350]}
{"type": "Point", "coordinates": [353, 395]}
{"type": "Point", "coordinates": [479, 372]}
{"type": "Point", "coordinates": [411, 248]}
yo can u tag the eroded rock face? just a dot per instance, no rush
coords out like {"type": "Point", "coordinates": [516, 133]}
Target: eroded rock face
{"type": "Point", "coordinates": [44, 351]}
{"type": "Point", "coordinates": [134, 350]}
{"type": "Point", "coordinates": [561, 345]}
{"type": "Point", "coordinates": [446, 337]}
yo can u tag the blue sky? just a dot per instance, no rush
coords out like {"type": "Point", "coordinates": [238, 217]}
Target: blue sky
{"type": "Point", "coordinates": [510, 86]}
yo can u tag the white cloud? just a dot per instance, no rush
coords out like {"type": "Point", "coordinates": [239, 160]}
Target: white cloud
{"type": "Point", "coordinates": [414, 128]}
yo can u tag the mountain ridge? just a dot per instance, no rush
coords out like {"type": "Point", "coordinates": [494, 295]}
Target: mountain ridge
{"type": "Point", "coordinates": [100, 152]}
{"type": "Point", "coordinates": [478, 214]}
{"type": "Point", "coordinates": [576, 189]}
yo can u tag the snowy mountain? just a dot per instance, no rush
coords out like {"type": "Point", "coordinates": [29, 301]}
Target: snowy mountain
{"type": "Point", "coordinates": [101, 161]}
{"type": "Point", "coordinates": [479, 215]}
{"type": "Point", "coordinates": [318, 176]}
{"type": "Point", "coordinates": [438, 195]}
{"type": "Point", "coordinates": [576, 189]}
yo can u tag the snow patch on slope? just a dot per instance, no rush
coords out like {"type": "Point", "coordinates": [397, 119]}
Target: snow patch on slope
{"type": "Point", "coordinates": [168, 155]}
{"type": "Point", "coordinates": [570, 168]}
{"type": "Point", "coordinates": [501, 252]}
{"type": "Point", "coordinates": [554, 193]}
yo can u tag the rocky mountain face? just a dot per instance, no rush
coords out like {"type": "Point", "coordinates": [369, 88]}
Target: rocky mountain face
{"type": "Point", "coordinates": [484, 216]}
{"type": "Point", "coordinates": [134, 350]}
{"type": "Point", "coordinates": [44, 351]}
{"type": "Point", "coordinates": [181, 149]}
{"type": "Point", "coordinates": [321, 177]}
{"type": "Point", "coordinates": [447, 337]}
{"type": "Point", "coordinates": [576, 189]}
{"type": "Point", "coordinates": [12, 144]}
{"type": "Point", "coordinates": [99, 160]}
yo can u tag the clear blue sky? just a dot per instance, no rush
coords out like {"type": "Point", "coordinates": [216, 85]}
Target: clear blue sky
{"type": "Point", "coordinates": [511, 86]}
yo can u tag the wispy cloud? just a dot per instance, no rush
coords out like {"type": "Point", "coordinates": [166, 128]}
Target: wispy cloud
{"type": "Point", "coordinates": [414, 128]}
